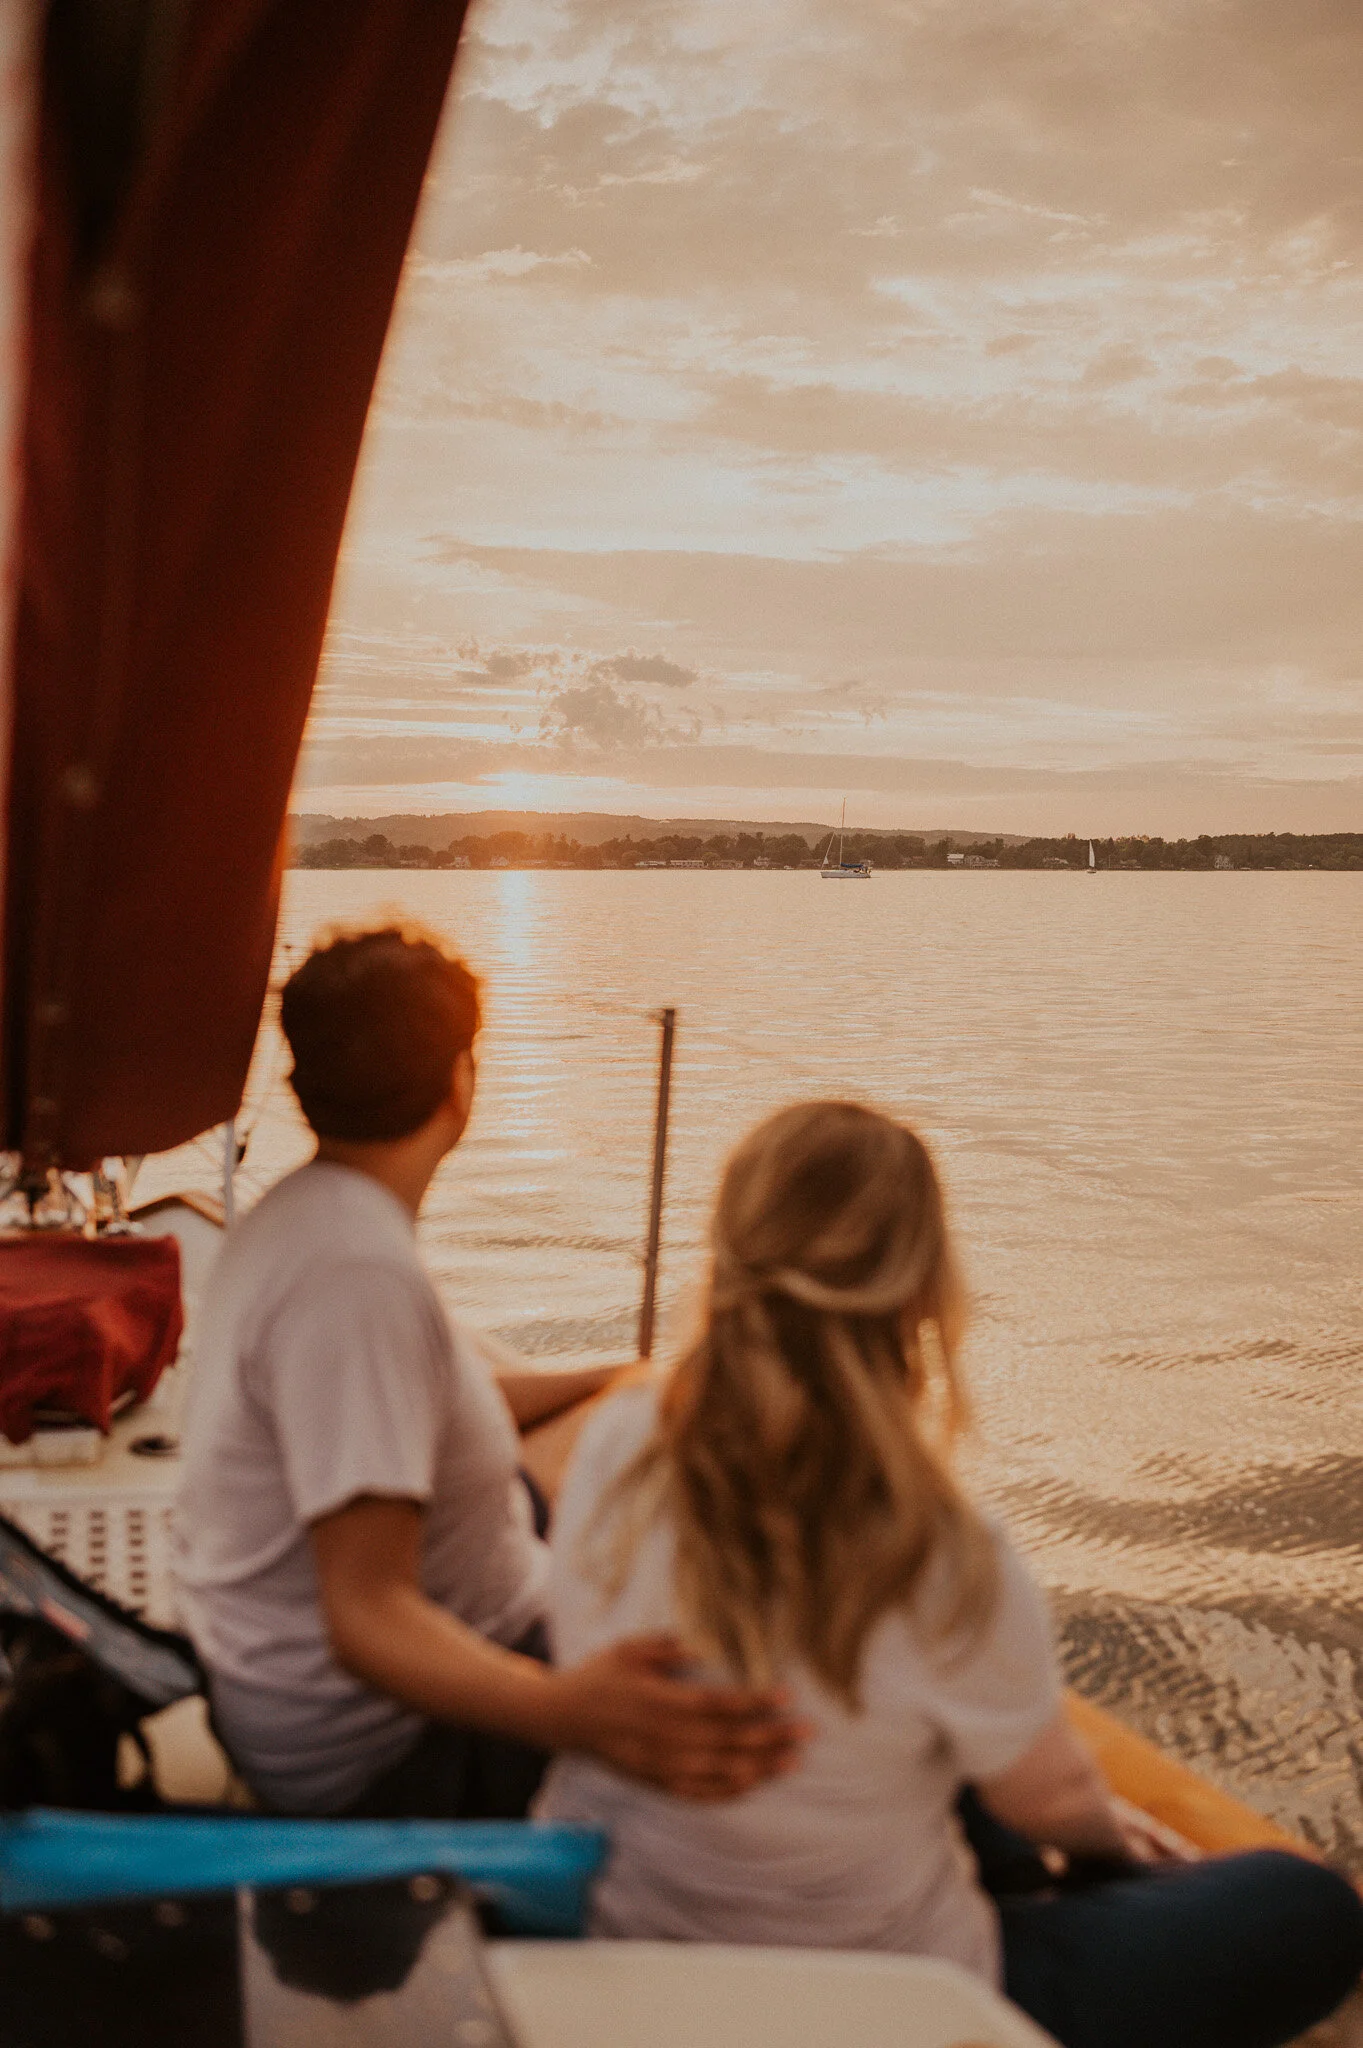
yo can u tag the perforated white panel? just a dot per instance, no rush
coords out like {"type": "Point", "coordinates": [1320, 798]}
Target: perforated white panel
{"type": "Point", "coordinates": [118, 1544]}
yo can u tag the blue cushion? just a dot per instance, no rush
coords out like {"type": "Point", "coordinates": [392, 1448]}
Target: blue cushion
{"type": "Point", "coordinates": [537, 1876]}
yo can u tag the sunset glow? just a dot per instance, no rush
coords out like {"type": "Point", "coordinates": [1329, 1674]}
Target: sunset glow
{"type": "Point", "coordinates": [955, 406]}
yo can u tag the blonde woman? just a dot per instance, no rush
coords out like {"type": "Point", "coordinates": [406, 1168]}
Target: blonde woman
{"type": "Point", "coordinates": [785, 1503]}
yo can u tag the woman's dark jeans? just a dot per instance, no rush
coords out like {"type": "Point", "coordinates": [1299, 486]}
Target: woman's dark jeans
{"type": "Point", "coordinates": [1238, 1952]}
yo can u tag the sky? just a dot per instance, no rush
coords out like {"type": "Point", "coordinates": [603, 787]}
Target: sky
{"type": "Point", "coordinates": [956, 405]}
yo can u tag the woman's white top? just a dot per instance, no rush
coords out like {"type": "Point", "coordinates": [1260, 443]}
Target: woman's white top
{"type": "Point", "coordinates": [858, 1847]}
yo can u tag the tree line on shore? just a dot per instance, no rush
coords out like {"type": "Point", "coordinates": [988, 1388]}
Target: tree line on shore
{"type": "Point", "coordinates": [1261, 850]}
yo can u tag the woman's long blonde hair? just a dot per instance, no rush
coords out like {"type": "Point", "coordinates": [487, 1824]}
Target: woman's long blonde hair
{"type": "Point", "coordinates": [802, 1448]}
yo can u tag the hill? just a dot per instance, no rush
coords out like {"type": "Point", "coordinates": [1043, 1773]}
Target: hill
{"type": "Point", "coordinates": [588, 828]}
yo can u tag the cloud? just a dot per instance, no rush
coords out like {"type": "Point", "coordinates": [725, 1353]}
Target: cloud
{"type": "Point", "coordinates": [1238, 586]}
{"type": "Point", "coordinates": [1120, 363]}
{"type": "Point", "coordinates": [1001, 356]}
{"type": "Point", "coordinates": [646, 668]}
{"type": "Point", "coordinates": [868, 704]}
{"type": "Point", "coordinates": [490, 264]}
{"type": "Point", "coordinates": [1146, 794]}
{"type": "Point", "coordinates": [595, 715]}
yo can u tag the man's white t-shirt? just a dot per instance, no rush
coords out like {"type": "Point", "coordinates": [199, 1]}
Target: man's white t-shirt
{"type": "Point", "coordinates": [325, 1368]}
{"type": "Point", "coordinates": [859, 1846]}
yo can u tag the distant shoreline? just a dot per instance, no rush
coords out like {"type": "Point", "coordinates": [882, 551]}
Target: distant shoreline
{"type": "Point", "coordinates": [791, 849]}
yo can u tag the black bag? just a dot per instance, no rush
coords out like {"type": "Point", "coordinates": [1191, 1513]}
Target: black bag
{"type": "Point", "coordinates": [262, 1969]}
{"type": "Point", "coordinates": [77, 1673]}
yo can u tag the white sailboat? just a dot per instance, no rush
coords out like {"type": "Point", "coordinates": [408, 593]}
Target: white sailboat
{"type": "Point", "coordinates": [1093, 865]}
{"type": "Point", "coordinates": [843, 870]}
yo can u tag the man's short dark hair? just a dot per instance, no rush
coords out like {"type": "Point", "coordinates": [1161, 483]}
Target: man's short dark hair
{"type": "Point", "coordinates": [375, 1021]}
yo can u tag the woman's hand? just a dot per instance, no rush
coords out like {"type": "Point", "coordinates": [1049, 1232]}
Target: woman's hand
{"type": "Point", "coordinates": [1055, 1794]}
{"type": "Point", "coordinates": [628, 1706]}
{"type": "Point", "coordinates": [1148, 1840]}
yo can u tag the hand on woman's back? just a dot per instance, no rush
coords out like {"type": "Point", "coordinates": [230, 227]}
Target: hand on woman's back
{"type": "Point", "coordinates": [627, 1706]}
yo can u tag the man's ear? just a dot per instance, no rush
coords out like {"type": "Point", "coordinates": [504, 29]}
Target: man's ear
{"type": "Point", "coordinates": [461, 1086]}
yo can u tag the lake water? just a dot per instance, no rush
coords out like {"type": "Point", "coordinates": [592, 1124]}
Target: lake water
{"type": "Point", "coordinates": [1146, 1097]}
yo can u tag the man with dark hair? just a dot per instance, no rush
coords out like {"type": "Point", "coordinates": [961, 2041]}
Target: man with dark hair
{"type": "Point", "coordinates": [375, 1021]}
{"type": "Point", "coordinates": [356, 1557]}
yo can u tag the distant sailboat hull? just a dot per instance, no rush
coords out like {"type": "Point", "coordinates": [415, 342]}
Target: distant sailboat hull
{"type": "Point", "coordinates": [841, 870]}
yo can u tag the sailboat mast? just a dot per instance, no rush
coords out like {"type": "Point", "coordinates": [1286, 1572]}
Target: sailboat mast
{"type": "Point", "coordinates": [842, 831]}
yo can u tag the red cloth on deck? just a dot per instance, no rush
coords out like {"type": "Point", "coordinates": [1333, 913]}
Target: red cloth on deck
{"type": "Point", "coordinates": [83, 1320]}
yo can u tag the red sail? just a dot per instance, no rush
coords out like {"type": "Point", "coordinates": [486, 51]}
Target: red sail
{"type": "Point", "coordinates": [208, 313]}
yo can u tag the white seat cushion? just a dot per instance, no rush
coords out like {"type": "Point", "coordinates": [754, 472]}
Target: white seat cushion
{"type": "Point", "coordinates": [644, 1994]}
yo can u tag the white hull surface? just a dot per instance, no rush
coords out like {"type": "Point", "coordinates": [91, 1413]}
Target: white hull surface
{"type": "Point", "coordinates": [845, 874]}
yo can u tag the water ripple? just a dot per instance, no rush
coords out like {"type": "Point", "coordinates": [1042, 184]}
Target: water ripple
{"type": "Point", "coordinates": [1284, 1509]}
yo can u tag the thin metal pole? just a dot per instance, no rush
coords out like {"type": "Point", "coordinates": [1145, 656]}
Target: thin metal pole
{"type": "Point", "coordinates": [229, 1172]}
{"type": "Point", "coordinates": [655, 1207]}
